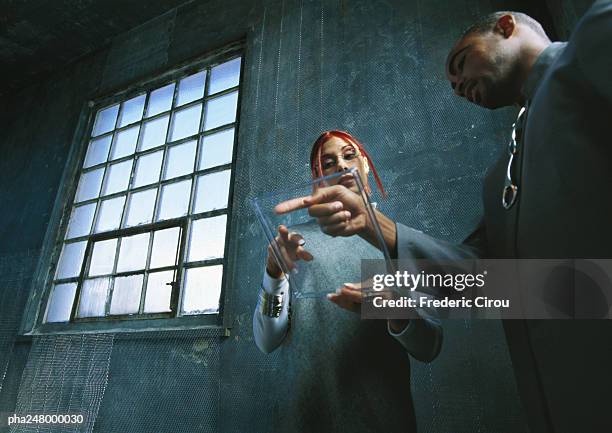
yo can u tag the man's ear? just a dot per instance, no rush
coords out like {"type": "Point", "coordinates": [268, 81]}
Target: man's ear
{"type": "Point", "coordinates": [505, 25]}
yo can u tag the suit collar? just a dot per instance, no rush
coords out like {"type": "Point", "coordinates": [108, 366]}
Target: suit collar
{"type": "Point", "coordinates": [546, 58]}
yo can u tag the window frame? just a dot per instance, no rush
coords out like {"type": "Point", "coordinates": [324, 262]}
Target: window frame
{"type": "Point", "coordinates": [42, 282]}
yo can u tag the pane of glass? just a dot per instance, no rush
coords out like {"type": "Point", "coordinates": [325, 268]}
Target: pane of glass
{"type": "Point", "coordinates": [103, 257]}
{"type": "Point", "coordinates": [202, 290]}
{"type": "Point", "coordinates": [224, 76]}
{"type": "Point", "coordinates": [165, 244]}
{"type": "Point", "coordinates": [212, 191]}
{"type": "Point", "coordinates": [126, 295]}
{"type": "Point", "coordinates": [207, 240]}
{"type": "Point", "coordinates": [118, 177]}
{"type": "Point", "coordinates": [109, 216]}
{"type": "Point", "coordinates": [70, 261]}
{"type": "Point", "coordinates": [89, 185]}
{"type": "Point", "coordinates": [180, 159]}
{"type": "Point", "coordinates": [147, 168]}
{"type": "Point", "coordinates": [174, 200]}
{"type": "Point", "coordinates": [160, 100]}
{"type": "Point", "coordinates": [140, 207]}
{"type": "Point", "coordinates": [221, 110]}
{"type": "Point", "coordinates": [185, 122]}
{"type": "Point", "coordinates": [125, 142]}
{"type": "Point", "coordinates": [217, 149]}
{"type": "Point", "coordinates": [154, 133]}
{"type": "Point", "coordinates": [98, 151]}
{"type": "Point", "coordinates": [133, 252]}
{"type": "Point", "coordinates": [191, 88]}
{"type": "Point", "coordinates": [105, 120]}
{"type": "Point", "coordinates": [80, 220]}
{"type": "Point", "coordinates": [132, 110]}
{"type": "Point", "coordinates": [60, 303]}
{"type": "Point", "coordinates": [93, 297]}
{"type": "Point", "coordinates": [157, 299]}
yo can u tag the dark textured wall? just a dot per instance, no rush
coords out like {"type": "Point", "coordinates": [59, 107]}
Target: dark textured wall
{"type": "Point", "coordinates": [374, 68]}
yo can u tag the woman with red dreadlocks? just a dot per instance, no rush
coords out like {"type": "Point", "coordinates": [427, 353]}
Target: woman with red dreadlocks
{"type": "Point", "coordinates": [348, 374]}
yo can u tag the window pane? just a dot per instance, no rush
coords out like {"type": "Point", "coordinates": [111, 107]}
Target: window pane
{"type": "Point", "coordinates": [185, 122]}
{"type": "Point", "coordinates": [117, 178]}
{"type": "Point", "coordinates": [174, 200]}
{"type": "Point", "coordinates": [207, 239]}
{"type": "Point", "coordinates": [157, 299]}
{"type": "Point", "coordinates": [89, 185]}
{"type": "Point", "coordinates": [105, 120]}
{"type": "Point", "coordinates": [125, 142]}
{"type": "Point", "coordinates": [92, 302]}
{"type": "Point", "coordinates": [103, 257]}
{"type": "Point", "coordinates": [140, 207]}
{"type": "Point", "coordinates": [217, 149]}
{"type": "Point", "coordinates": [180, 159]}
{"type": "Point", "coordinates": [224, 76]}
{"type": "Point", "coordinates": [80, 220]}
{"type": "Point", "coordinates": [212, 191]}
{"type": "Point", "coordinates": [165, 244]}
{"type": "Point", "coordinates": [147, 168]}
{"type": "Point", "coordinates": [70, 261]}
{"type": "Point", "coordinates": [133, 252]}
{"type": "Point", "coordinates": [60, 303]}
{"type": "Point", "coordinates": [160, 100]}
{"type": "Point", "coordinates": [221, 110]}
{"type": "Point", "coordinates": [202, 290]}
{"type": "Point", "coordinates": [154, 133]}
{"type": "Point", "coordinates": [98, 151]}
{"type": "Point", "coordinates": [126, 295]}
{"type": "Point", "coordinates": [191, 88]}
{"type": "Point", "coordinates": [132, 110]}
{"type": "Point", "coordinates": [109, 216]}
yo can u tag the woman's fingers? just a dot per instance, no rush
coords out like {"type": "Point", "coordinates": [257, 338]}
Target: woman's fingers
{"type": "Point", "coordinates": [352, 295]}
{"type": "Point", "coordinates": [283, 232]}
{"type": "Point", "coordinates": [348, 297]}
{"type": "Point", "coordinates": [325, 209]}
{"type": "Point", "coordinates": [337, 218]}
{"type": "Point", "coordinates": [339, 229]}
{"type": "Point", "coordinates": [304, 255]}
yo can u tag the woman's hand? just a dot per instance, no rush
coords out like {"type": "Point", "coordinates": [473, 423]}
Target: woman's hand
{"type": "Point", "coordinates": [349, 297]}
{"type": "Point", "coordinates": [291, 247]}
{"type": "Point", "coordinates": [338, 210]}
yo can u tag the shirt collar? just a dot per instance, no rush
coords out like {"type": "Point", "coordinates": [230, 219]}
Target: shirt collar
{"type": "Point", "coordinates": [546, 58]}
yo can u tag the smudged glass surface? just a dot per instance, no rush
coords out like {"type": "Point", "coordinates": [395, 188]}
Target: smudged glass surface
{"type": "Point", "coordinates": [202, 290]}
{"type": "Point", "coordinates": [207, 238]}
{"type": "Point", "coordinates": [217, 149]}
{"type": "Point", "coordinates": [60, 303]}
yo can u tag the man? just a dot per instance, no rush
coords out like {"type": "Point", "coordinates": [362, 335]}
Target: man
{"type": "Point", "coordinates": [547, 197]}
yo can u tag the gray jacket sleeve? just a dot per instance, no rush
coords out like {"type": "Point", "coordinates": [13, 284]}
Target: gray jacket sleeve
{"type": "Point", "coordinates": [422, 338]}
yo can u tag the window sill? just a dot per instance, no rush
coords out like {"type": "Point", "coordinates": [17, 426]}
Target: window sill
{"type": "Point", "coordinates": [170, 326]}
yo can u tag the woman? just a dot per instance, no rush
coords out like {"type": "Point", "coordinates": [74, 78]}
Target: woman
{"type": "Point", "coordinates": [348, 374]}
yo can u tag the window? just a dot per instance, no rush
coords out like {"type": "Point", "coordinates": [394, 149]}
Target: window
{"type": "Point", "coordinates": [146, 229]}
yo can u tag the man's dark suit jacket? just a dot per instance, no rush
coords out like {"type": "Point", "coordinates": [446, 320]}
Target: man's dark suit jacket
{"type": "Point", "coordinates": [563, 210]}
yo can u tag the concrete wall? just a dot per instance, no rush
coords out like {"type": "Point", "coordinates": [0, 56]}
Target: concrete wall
{"type": "Point", "coordinates": [374, 68]}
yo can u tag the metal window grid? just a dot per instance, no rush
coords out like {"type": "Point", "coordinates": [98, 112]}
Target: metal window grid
{"type": "Point", "coordinates": [183, 223]}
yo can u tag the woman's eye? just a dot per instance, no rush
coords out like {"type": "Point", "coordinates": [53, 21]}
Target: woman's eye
{"type": "Point", "coordinates": [350, 156]}
{"type": "Point", "coordinates": [328, 164]}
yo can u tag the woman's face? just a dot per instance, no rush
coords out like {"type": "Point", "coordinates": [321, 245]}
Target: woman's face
{"type": "Point", "coordinates": [337, 156]}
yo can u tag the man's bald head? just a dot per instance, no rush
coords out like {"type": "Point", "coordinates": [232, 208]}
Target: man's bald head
{"type": "Point", "coordinates": [491, 59]}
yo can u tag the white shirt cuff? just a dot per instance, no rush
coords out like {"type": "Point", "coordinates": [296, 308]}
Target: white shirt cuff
{"type": "Point", "coordinates": [274, 286]}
